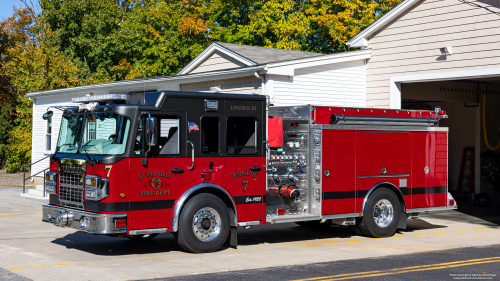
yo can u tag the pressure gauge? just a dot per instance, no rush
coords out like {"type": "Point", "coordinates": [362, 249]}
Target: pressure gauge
{"type": "Point", "coordinates": [290, 144]}
{"type": "Point", "coordinates": [303, 156]}
{"type": "Point", "coordinates": [295, 157]}
{"type": "Point", "coordinates": [273, 157]}
{"type": "Point", "coordinates": [296, 144]}
{"type": "Point", "coordinates": [282, 157]}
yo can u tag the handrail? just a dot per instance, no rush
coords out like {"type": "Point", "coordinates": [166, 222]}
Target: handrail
{"type": "Point", "coordinates": [25, 178]}
{"type": "Point", "coordinates": [37, 161]}
{"type": "Point", "coordinates": [37, 173]}
{"type": "Point", "coordinates": [24, 182]}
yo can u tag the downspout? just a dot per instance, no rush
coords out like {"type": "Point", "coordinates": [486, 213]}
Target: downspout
{"type": "Point", "coordinates": [263, 87]}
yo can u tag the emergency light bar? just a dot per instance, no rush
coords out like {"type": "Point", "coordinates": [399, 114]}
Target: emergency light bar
{"type": "Point", "coordinates": [97, 98]}
{"type": "Point", "coordinates": [390, 121]}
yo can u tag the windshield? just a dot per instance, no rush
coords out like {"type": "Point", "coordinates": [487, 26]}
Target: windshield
{"type": "Point", "coordinates": [103, 133]}
{"type": "Point", "coordinates": [69, 134]}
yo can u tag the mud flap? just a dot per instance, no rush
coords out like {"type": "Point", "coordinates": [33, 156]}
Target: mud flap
{"type": "Point", "coordinates": [233, 237]}
{"type": "Point", "coordinates": [402, 221]}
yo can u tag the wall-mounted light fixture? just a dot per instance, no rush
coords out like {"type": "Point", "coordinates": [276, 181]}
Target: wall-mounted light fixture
{"type": "Point", "coordinates": [446, 51]}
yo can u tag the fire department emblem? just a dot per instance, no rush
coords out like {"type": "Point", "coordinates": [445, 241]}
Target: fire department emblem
{"type": "Point", "coordinates": [156, 183]}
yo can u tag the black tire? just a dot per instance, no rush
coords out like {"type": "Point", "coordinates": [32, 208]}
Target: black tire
{"type": "Point", "coordinates": [368, 226]}
{"type": "Point", "coordinates": [143, 237]}
{"type": "Point", "coordinates": [186, 237]}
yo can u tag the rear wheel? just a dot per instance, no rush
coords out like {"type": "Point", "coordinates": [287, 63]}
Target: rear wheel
{"type": "Point", "coordinates": [203, 224]}
{"type": "Point", "coordinates": [381, 214]}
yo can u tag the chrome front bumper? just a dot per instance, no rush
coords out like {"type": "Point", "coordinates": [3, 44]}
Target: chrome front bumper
{"type": "Point", "coordinates": [82, 220]}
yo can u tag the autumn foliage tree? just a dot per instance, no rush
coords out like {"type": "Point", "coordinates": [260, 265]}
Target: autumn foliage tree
{"type": "Point", "coordinates": [77, 42]}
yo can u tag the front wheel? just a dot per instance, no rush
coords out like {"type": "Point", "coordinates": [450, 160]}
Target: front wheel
{"type": "Point", "coordinates": [381, 214]}
{"type": "Point", "coordinates": [203, 224]}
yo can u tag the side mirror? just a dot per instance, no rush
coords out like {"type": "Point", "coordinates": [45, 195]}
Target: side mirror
{"type": "Point", "coordinates": [47, 115]}
{"type": "Point", "coordinates": [151, 131]}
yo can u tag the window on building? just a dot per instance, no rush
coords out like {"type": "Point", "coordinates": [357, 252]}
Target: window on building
{"type": "Point", "coordinates": [210, 134]}
{"type": "Point", "coordinates": [91, 132]}
{"type": "Point", "coordinates": [241, 135]}
{"type": "Point", "coordinates": [48, 135]}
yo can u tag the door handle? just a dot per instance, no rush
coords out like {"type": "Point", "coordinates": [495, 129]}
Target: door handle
{"type": "Point", "coordinates": [192, 155]}
{"type": "Point", "coordinates": [177, 170]}
{"type": "Point", "coordinates": [255, 168]}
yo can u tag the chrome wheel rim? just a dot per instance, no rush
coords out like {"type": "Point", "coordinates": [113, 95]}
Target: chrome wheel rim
{"type": "Point", "coordinates": [383, 213]}
{"type": "Point", "coordinates": [206, 224]}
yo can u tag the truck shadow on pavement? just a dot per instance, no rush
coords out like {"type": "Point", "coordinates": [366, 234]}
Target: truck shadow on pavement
{"type": "Point", "coordinates": [258, 235]}
{"type": "Point", "coordinates": [113, 246]}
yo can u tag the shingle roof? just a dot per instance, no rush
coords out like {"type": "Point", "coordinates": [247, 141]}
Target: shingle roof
{"type": "Point", "coordinates": [263, 55]}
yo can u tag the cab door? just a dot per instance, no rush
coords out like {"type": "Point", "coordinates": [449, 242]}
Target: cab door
{"type": "Point", "coordinates": [155, 186]}
{"type": "Point", "coordinates": [245, 173]}
{"type": "Point", "coordinates": [204, 141]}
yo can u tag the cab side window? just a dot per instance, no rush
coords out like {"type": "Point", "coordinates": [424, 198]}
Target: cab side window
{"type": "Point", "coordinates": [168, 137]}
{"type": "Point", "coordinates": [241, 135]}
{"type": "Point", "coordinates": [210, 134]}
{"type": "Point", "coordinates": [139, 146]}
{"type": "Point", "coordinates": [168, 141]}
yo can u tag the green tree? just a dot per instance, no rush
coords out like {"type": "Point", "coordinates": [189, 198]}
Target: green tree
{"type": "Point", "coordinates": [164, 37]}
{"type": "Point", "coordinates": [89, 31]}
{"type": "Point", "coordinates": [309, 25]}
{"type": "Point", "coordinates": [33, 66]}
{"type": "Point", "coordinates": [15, 29]}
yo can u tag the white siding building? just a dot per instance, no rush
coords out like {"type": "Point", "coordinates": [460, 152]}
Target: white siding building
{"type": "Point", "coordinates": [440, 53]}
{"type": "Point", "coordinates": [287, 77]}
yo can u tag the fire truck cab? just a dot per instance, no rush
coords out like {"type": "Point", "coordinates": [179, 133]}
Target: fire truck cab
{"type": "Point", "coordinates": [199, 164]}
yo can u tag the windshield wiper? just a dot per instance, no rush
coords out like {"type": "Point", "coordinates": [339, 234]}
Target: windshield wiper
{"type": "Point", "coordinates": [85, 144]}
{"type": "Point", "coordinates": [91, 161]}
{"type": "Point", "coordinates": [57, 150]}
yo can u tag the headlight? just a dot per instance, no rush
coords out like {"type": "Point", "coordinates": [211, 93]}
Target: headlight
{"type": "Point", "coordinates": [51, 183]}
{"type": "Point", "coordinates": [96, 188]}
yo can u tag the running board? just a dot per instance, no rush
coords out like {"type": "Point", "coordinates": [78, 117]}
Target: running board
{"type": "Point", "coordinates": [147, 231]}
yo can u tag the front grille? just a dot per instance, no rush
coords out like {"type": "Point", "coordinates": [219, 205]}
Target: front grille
{"type": "Point", "coordinates": [71, 176]}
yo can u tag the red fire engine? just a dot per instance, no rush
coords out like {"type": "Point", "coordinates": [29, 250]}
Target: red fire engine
{"type": "Point", "coordinates": [198, 165]}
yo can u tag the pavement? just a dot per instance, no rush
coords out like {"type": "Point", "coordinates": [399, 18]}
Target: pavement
{"type": "Point", "coordinates": [36, 250]}
{"type": "Point", "coordinates": [463, 264]}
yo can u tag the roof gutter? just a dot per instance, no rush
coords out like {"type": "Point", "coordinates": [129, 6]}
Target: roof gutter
{"type": "Point", "coordinates": [151, 82]}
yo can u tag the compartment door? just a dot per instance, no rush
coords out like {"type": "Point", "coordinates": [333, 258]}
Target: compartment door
{"type": "Point", "coordinates": [382, 157]}
{"type": "Point", "coordinates": [338, 172]}
{"type": "Point", "coordinates": [429, 155]}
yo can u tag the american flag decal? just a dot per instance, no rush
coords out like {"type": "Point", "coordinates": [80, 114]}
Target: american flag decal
{"type": "Point", "coordinates": [193, 126]}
